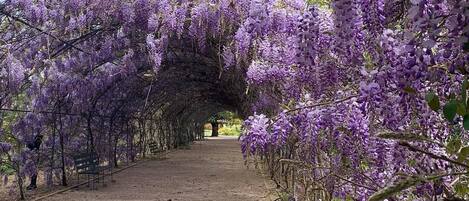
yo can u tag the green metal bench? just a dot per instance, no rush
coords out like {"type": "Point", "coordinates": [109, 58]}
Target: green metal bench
{"type": "Point", "coordinates": [155, 150]}
{"type": "Point", "coordinates": [88, 164]}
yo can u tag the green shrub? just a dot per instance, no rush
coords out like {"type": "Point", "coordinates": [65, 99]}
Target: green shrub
{"type": "Point", "coordinates": [230, 130]}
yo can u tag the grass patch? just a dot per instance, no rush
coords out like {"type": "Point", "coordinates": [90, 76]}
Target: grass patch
{"type": "Point", "coordinates": [230, 130]}
{"type": "Point", "coordinates": [227, 130]}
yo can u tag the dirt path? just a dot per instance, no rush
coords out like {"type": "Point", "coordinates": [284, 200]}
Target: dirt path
{"type": "Point", "coordinates": [210, 170]}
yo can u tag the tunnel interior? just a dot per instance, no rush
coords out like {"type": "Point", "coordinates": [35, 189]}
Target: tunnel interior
{"type": "Point", "coordinates": [117, 84]}
{"type": "Point", "coordinates": [172, 104]}
{"type": "Point", "coordinates": [189, 89]}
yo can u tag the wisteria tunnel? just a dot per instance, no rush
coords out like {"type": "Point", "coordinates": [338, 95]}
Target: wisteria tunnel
{"type": "Point", "coordinates": [328, 99]}
{"type": "Point", "coordinates": [189, 88]}
{"type": "Point", "coordinates": [190, 85]}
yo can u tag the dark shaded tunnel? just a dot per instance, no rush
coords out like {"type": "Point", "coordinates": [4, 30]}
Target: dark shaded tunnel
{"type": "Point", "coordinates": [175, 102]}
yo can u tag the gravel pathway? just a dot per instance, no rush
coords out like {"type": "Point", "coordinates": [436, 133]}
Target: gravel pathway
{"type": "Point", "coordinates": [209, 170]}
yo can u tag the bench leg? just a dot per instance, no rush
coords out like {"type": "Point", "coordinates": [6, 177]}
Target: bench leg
{"type": "Point", "coordinates": [89, 181]}
{"type": "Point", "coordinates": [92, 182]}
{"type": "Point", "coordinates": [96, 181]}
{"type": "Point", "coordinates": [104, 178]}
{"type": "Point", "coordinates": [112, 180]}
{"type": "Point", "coordinates": [104, 181]}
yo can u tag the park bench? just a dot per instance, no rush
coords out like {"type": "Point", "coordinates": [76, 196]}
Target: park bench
{"type": "Point", "coordinates": [88, 164]}
{"type": "Point", "coordinates": [155, 149]}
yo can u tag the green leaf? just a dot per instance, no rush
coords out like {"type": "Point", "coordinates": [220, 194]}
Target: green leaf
{"type": "Point", "coordinates": [453, 145]}
{"type": "Point", "coordinates": [412, 162]}
{"type": "Point", "coordinates": [465, 84]}
{"type": "Point", "coordinates": [433, 101]}
{"type": "Point", "coordinates": [464, 88]}
{"type": "Point", "coordinates": [461, 109]}
{"type": "Point", "coordinates": [461, 189]}
{"type": "Point", "coordinates": [6, 169]}
{"type": "Point", "coordinates": [392, 190]}
{"type": "Point", "coordinates": [465, 122]}
{"type": "Point", "coordinates": [452, 96]}
{"type": "Point", "coordinates": [409, 90]}
{"type": "Point", "coordinates": [449, 110]}
{"type": "Point", "coordinates": [463, 154]}
{"type": "Point", "coordinates": [321, 3]}
{"type": "Point", "coordinates": [467, 103]}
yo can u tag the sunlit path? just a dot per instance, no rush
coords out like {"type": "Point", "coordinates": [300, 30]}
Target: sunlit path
{"type": "Point", "coordinates": [210, 170]}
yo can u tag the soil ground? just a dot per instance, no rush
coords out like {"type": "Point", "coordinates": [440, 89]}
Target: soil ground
{"type": "Point", "coordinates": [211, 170]}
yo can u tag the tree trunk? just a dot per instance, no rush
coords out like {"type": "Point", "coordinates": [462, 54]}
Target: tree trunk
{"type": "Point", "coordinates": [115, 153]}
{"type": "Point", "coordinates": [110, 149]}
{"type": "Point", "coordinates": [131, 142]}
{"type": "Point", "coordinates": [142, 138]}
{"type": "Point", "coordinates": [52, 154]}
{"type": "Point", "coordinates": [61, 136]}
{"type": "Point", "coordinates": [214, 129]}
{"type": "Point", "coordinates": [20, 183]}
